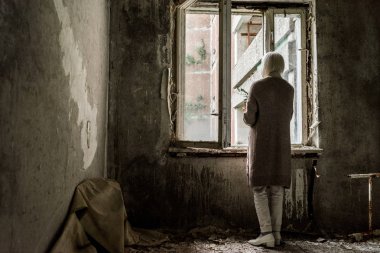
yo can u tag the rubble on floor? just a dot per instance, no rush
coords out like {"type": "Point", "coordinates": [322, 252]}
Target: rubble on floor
{"type": "Point", "coordinates": [212, 239]}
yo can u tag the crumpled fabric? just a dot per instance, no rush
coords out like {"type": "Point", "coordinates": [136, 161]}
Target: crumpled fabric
{"type": "Point", "coordinates": [98, 218]}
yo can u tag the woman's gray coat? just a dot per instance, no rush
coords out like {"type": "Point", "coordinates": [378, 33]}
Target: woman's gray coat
{"type": "Point", "coordinates": [269, 111]}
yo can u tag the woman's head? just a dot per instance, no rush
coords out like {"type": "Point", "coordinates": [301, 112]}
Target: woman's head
{"type": "Point", "coordinates": [273, 64]}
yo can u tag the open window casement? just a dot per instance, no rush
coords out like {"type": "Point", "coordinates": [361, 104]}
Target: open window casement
{"type": "Point", "coordinates": [220, 45]}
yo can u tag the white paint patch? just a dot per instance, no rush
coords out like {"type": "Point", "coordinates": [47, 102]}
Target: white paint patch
{"type": "Point", "coordinates": [295, 196]}
{"type": "Point", "coordinates": [73, 65]}
{"type": "Point", "coordinates": [289, 202]}
{"type": "Point", "coordinates": [300, 193]}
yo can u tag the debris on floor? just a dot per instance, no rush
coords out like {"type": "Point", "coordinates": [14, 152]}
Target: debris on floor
{"type": "Point", "coordinates": [212, 240]}
{"type": "Point", "coordinates": [358, 237]}
{"type": "Point", "coordinates": [320, 239]}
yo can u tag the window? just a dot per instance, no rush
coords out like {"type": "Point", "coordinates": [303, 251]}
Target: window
{"type": "Point", "coordinates": [220, 45]}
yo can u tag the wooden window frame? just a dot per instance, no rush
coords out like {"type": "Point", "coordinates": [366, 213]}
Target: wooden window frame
{"type": "Point", "coordinates": [224, 109]}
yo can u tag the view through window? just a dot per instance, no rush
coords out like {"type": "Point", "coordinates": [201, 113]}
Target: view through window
{"type": "Point", "coordinates": [251, 33]}
{"type": "Point", "coordinates": [200, 110]}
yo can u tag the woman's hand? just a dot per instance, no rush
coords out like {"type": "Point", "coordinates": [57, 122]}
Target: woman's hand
{"type": "Point", "coordinates": [245, 107]}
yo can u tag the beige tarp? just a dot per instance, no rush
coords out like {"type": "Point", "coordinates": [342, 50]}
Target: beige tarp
{"type": "Point", "coordinates": [98, 214]}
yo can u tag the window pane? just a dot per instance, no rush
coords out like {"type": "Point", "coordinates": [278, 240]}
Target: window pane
{"type": "Point", "coordinates": [247, 46]}
{"type": "Point", "coordinates": [287, 41]}
{"type": "Point", "coordinates": [200, 107]}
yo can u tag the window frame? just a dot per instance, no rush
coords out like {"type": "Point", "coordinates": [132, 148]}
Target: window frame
{"type": "Point", "coordinates": [180, 42]}
{"type": "Point", "coordinates": [224, 103]}
{"type": "Point", "coordinates": [304, 51]}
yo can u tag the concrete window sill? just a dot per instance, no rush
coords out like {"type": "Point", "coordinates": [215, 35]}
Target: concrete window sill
{"type": "Point", "coordinates": [297, 151]}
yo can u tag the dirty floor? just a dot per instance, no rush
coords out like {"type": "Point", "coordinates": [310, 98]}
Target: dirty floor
{"type": "Point", "coordinates": [237, 243]}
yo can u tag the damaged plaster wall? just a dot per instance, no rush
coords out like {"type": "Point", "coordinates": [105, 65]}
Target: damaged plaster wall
{"type": "Point", "coordinates": [53, 104]}
{"type": "Point", "coordinates": [188, 192]}
{"type": "Point", "coordinates": [160, 190]}
{"type": "Point", "coordinates": [73, 65]}
{"type": "Point", "coordinates": [184, 192]}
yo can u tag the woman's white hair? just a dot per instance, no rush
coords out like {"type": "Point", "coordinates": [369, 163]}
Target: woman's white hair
{"type": "Point", "coordinates": [273, 64]}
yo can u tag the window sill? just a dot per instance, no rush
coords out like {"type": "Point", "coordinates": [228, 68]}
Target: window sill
{"type": "Point", "coordinates": [297, 151]}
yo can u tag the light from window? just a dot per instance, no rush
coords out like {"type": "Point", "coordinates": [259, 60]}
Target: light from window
{"type": "Point", "coordinates": [287, 42]}
{"type": "Point", "coordinates": [200, 108]}
{"type": "Point", "coordinates": [248, 55]}
{"type": "Point", "coordinates": [251, 33]}
{"type": "Point", "coordinates": [247, 49]}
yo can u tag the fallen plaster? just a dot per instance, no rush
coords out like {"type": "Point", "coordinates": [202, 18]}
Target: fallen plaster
{"type": "Point", "coordinates": [74, 67]}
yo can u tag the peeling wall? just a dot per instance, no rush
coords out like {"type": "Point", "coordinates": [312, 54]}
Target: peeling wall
{"type": "Point", "coordinates": [54, 76]}
{"type": "Point", "coordinates": [72, 63]}
{"type": "Point", "coordinates": [183, 192]}
{"type": "Point", "coordinates": [188, 192]}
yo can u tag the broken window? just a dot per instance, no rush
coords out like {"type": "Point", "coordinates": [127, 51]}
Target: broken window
{"type": "Point", "coordinates": [220, 46]}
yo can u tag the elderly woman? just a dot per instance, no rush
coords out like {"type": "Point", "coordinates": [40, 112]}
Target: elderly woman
{"type": "Point", "coordinates": [269, 110]}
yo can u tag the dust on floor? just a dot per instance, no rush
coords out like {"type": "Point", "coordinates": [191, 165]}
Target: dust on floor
{"type": "Point", "coordinates": [237, 243]}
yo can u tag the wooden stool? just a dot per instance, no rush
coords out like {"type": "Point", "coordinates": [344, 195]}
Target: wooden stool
{"type": "Point", "coordinates": [370, 176]}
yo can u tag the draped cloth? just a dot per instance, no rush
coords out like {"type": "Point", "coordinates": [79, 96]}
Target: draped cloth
{"type": "Point", "coordinates": [98, 219]}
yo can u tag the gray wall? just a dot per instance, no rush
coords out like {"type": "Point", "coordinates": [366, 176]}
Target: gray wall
{"type": "Point", "coordinates": [349, 96]}
{"type": "Point", "coordinates": [53, 75]}
{"type": "Point", "coordinates": [161, 190]}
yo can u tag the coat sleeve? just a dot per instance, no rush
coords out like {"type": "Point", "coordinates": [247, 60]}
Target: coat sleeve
{"type": "Point", "coordinates": [250, 116]}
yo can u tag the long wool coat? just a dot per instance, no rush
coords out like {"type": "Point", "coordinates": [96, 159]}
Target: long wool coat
{"type": "Point", "coordinates": [269, 111]}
